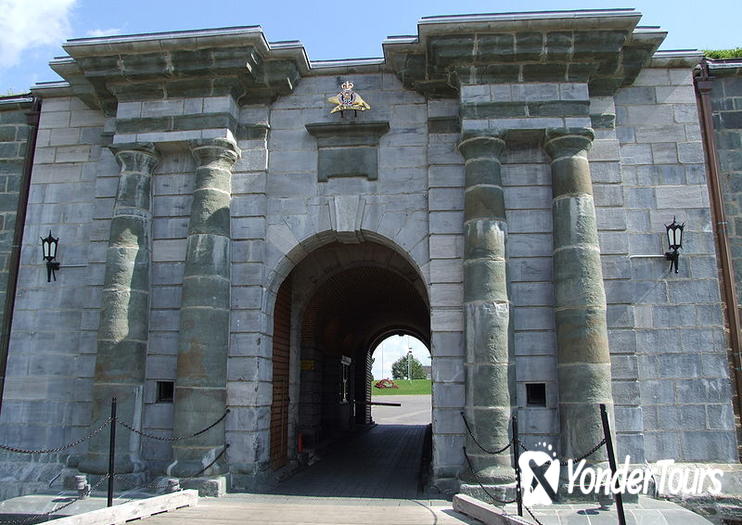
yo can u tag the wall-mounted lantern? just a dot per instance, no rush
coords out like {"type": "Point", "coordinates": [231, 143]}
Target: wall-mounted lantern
{"type": "Point", "coordinates": [49, 247]}
{"type": "Point", "coordinates": [674, 232]}
{"type": "Point", "coordinates": [675, 242]}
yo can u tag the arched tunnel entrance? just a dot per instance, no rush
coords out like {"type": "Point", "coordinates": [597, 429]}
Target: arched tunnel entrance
{"type": "Point", "coordinates": [331, 311]}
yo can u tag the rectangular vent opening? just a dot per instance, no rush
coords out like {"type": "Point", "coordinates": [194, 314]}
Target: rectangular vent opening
{"type": "Point", "coordinates": [536, 394]}
{"type": "Point", "coordinates": [165, 391]}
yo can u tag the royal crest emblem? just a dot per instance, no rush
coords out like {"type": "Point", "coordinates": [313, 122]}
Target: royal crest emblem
{"type": "Point", "coordinates": [348, 100]}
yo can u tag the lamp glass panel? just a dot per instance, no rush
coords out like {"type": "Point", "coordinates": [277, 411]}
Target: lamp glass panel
{"type": "Point", "coordinates": [670, 237]}
{"type": "Point", "coordinates": [45, 248]}
{"type": "Point", "coordinates": [679, 236]}
{"type": "Point", "coordinates": [53, 249]}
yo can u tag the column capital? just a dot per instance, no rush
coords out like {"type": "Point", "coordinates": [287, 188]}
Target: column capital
{"type": "Point", "coordinates": [136, 156]}
{"type": "Point", "coordinates": [482, 143]}
{"type": "Point", "coordinates": [206, 151]}
{"type": "Point", "coordinates": [567, 142]}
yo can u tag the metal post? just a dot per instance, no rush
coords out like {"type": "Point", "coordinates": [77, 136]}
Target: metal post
{"type": "Point", "coordinates": [612, 461]}
{"type": "Point", "coordinates": [112, 452]}
{"type": "Point", "coordinates": [516, 452]}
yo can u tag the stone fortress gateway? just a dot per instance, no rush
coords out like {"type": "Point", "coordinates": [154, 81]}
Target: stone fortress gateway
{"type": "Point", "coordinates": [228, 243]}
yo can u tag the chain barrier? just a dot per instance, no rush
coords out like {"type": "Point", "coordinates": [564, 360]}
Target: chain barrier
{"type": "Point", "coordinates": [562, 461]}
{"type": "Point", "coordinates": [586, 455]}
{"type": "Point", "coordinates": [106, 423]}
{"type": "Point", "coordinates": [477, 443]}
{"type": "Point", "coordinates": [46, 515]}
{"type": "Point", "coordinates": [207, 467]}
{"type": "Point", "coordinates": [518, 444]}
{"type": "Point", "coordinates": [158, 484]}
{"type": "Point", "coordinates": [58, 449]}
{"type": "Point", "coordinates": [565, 461]}
{"type": "Point", "coordinates": [172, 438]}
{"type": "Point", "coordinates": [532, 516]}
{"type": "Point", "coordinates": [494, 499]}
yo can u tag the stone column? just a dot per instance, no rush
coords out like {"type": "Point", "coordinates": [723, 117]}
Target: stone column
{"type": "Point", "coordinates": [124, 323]}
{"type": "Point", "coordinates": [201, 383]}
{"type": "Point", "coordinates": [486, 307]}
{"type": "Point", "coordinates": [584, 363]}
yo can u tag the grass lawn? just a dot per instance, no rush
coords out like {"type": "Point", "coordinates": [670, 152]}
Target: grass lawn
{"type": "Point", "coordinates": [413, 387]}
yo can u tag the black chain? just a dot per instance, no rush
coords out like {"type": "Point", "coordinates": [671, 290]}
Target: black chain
{"type": "Point", "coordinates": [158, 484]}
{"type": "Point", "coordinates": [173, 438]}
{"type": "Point", "coordinates": [58, 449]}
{"type": "Point", "coordinates": [563, 461]}
{"type": "Point", "coordinates": [532, 516]}
{"type": "Point", "coordinates": [477, 443]}
{"type": "Point", "coordinates": [494, 499]}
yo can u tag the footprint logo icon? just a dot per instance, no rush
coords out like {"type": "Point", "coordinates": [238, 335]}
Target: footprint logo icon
{"type": "Point", "coordinates": [539, 475]}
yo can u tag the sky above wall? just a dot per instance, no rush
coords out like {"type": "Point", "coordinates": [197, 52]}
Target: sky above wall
{"type": "Point", "coordinates": [32, 31]}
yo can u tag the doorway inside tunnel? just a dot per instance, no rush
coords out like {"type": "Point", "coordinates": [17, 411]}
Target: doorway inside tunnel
{"type": "Point", "coordinates": [331, 313]}
{"type": "Point", "coordinates": [401, 381]}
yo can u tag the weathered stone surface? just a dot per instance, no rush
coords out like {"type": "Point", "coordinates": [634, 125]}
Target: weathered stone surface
{"type": "Point", "coordinates": [200, 388]}
{"type": "Point", "coordinates": [124, 323]}
{"type": "Point", "coordinates": [581, 328]}
{"type": "Point", "coordinates": [486, 308]}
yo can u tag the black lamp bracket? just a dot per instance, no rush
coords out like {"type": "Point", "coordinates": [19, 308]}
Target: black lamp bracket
{"type": "Point", "coordinates": [673, 257]}
{"type": "Point", "coordinates": [51, 268]}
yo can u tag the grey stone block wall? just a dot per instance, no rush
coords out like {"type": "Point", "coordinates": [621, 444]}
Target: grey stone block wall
{"type": "Point", "coordinates": [612, 219]}
{"type": "Point", "coordinates": [726, 104]}
{"type": "Point", "coordinates": [667, 337]}
{"type": "Point", "coordinates": [249, 369]}
{"type": "Point", "coordinates": [52, 345]}
{"type": "Point", "coordinates": [726, 99]}
{"type": "Point", "coordinates": [14, 138]}
{"type": "Point", "coordinates": [172, 187]}
{"type": "Point", "coordinates": [527, 183]}
{"type": "Point", "coordinates": [445, 186]}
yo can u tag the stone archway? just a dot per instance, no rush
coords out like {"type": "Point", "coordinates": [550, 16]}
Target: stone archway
{"type": "Point", "coordinates": [343, 297]}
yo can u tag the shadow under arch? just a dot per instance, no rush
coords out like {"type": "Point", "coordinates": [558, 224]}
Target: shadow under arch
{"type": "Point", "coordinates": [304, 248]}
{"type": "Point", "coordinates": [328, 306]}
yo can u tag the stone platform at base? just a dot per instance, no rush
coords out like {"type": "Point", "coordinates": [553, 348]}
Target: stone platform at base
{"type": "Point", "coordinates": [91, 510]}
{"type": "Point", "coordinates": [214, 487]}
{"type": "Point", "coordinates": [486, 492]}
{"type": "Point", "coordinates": [645, 511]}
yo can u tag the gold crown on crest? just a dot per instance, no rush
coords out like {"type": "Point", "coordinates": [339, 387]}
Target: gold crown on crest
{"type": "Point", "coordinates": [348, 99]}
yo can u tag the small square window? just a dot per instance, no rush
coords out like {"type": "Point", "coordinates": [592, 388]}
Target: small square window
{"type": "Point", "coordinates": [165, 391]}
{"type": "Point", "coordinates": [536, 394]}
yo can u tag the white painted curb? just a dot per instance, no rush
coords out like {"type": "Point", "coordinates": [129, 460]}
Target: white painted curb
{"type": "Point", "coordinates": [133, 510]}
{"type": "Point", "coordinates": [487, 514]}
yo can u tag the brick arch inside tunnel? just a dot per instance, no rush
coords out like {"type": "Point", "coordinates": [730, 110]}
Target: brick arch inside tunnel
{"type": "Point", "coordinates": [330, 313]}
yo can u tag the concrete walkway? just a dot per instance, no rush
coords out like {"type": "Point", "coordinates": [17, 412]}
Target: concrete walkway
{"type": "Point", "coordinates": [298, 510]}
{"type": "Point", "coordinates": [415, 410]}
{"type": "Point", "coordinates": [383, 462]}
{"type": "Point", "coordinates": [370, 479]}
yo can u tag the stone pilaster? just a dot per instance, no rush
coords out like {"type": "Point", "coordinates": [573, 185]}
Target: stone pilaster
{"type": "Point", "coordinates": [584, 363]}
{"type": "Point", "coordinates": [200, 387]}
{"type": "Point", "coordinates": [486, 307]}
{"type": "Point", "coordinates": [124, 324]}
